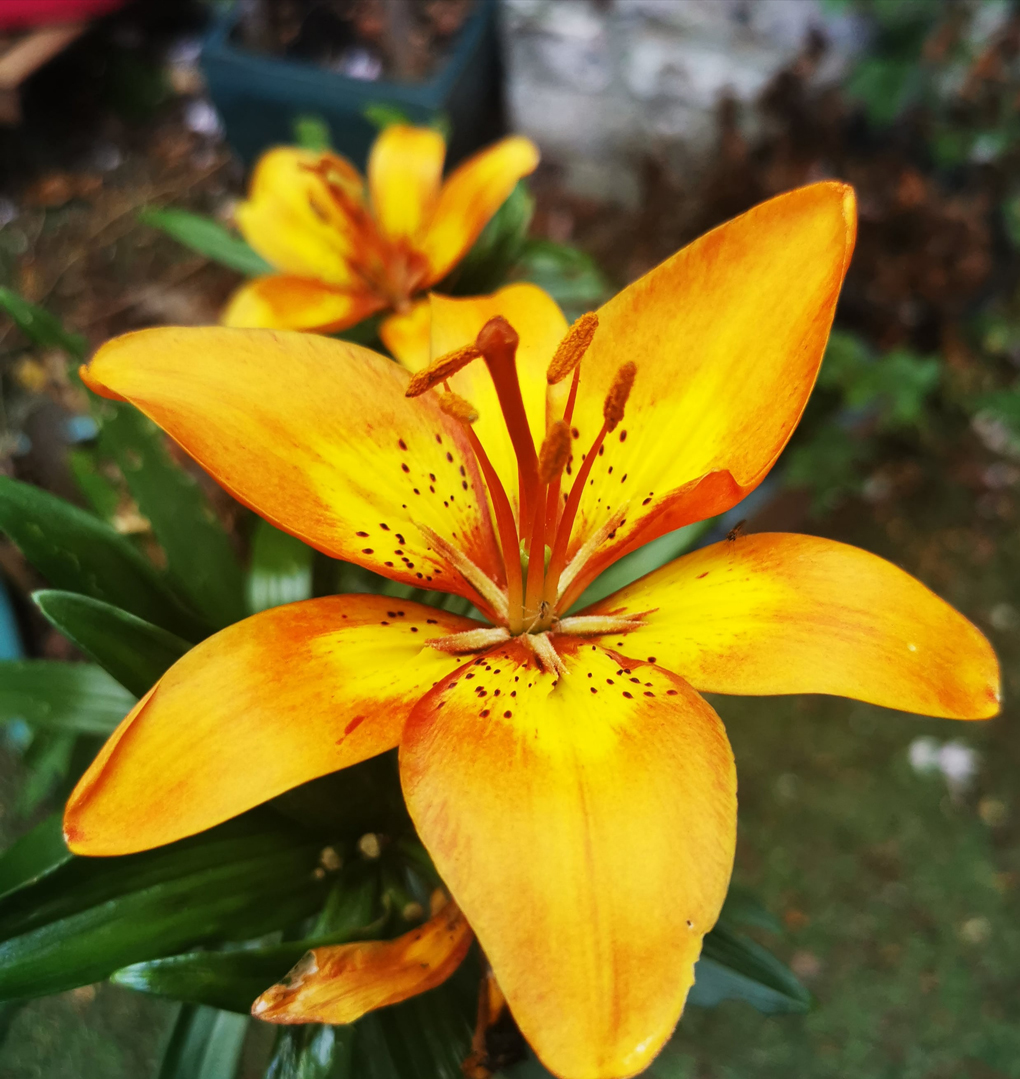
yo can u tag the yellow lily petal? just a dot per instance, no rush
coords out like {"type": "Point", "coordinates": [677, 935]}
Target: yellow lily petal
{"type": "Point", "coordinates": [263, 705]}
{"type": "Point", "coordinates": [282, 302]}
{"type": "Point", "coordinates": [592, 866]}
{"type": "Point", "coordinates": [291, 220]}
{"type": "Point", "coordinates": [340, 984]}
{"type": "Point", "coordinates": [776, 613]}
{"type": "Point", "coordinates": [727, 336]}
{"type": "Point", "coordinates": [317, 436]}
{"type": "Point", "coordinates": [408, 334]}
{"type": "Point", "coordinates": [472, 193]}
{"type": "Point", "coordinates": [405, 171]}
{"type": "Point", "coordinates": [456, 322]}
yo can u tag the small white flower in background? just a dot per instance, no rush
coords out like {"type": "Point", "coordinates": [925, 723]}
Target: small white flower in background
{"type": "Point", "coordinates": [957, 762]}
{"type": "Point", "coordinates": [201, 117]}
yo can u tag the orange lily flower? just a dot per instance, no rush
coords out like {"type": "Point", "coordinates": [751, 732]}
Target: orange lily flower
{"type": "Point", "coordinates": [575, 791]}
{"type": "Point", "coordinates": [345, 253]}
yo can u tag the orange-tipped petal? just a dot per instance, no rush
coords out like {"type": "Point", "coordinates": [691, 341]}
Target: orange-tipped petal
{"type": "Point", "coordinates": [585, 824]}
{"type": "Point", "coordinates": [414, 339]}
{"type": "Point", "coordinates": [405, 171]}
{"type": "Point", "coordinates": [282, 302]}
{"type": "Point", "coordinates": [339, 984]}
{"type": "Point", "coordinates": [777, 613]}
{"type": "Point", "coordinates": [317, 436]}
{"type": "Point", "coordinates": [472, 193]}
{"type": "Point", "coordinates": [291, 220]}
{"type": "Point", "coordinates": [727, 336]}
{"type": "Point", "coordinates": [265, 704]}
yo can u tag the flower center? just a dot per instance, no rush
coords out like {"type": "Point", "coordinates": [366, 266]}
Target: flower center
{"type": "Point", "coordinates": [391, 269]}
{"type": "Point", "coordinates": [534, 545]}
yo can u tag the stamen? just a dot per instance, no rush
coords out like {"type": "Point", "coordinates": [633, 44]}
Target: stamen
{"type": "Point", "coordinates": [471, 640]}
{"type": "Point", "coordinates": [456, 406]}
{"type": "Point", "coordinates": [545, 652]}
{"type": "Point", "coordinates": [497, 342]}
{"type": "Point", "coordinates": [555, 452]}
{"type": "Point", "coordinates": [572, 348]}
{"type": "Point", "coordinates": [616, 399]}
{"type": "Point", "coordinates": [586, 550]}
{"type": "Point", "coordinates": [479, 580]}
{"type": "Point", "coordinates": [612, 410]}
{"type": "Point", "coordinates": [593, 625]}
{"type": "Point", "coordinates": [507, 531]}
{"type": "Point", "coordinates": [440, 369]}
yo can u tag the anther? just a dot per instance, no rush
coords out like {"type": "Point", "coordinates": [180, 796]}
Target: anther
{"type": "Point", "coordinates": [555, 452]}
{"type": "Point", "coordinates": [616, 399]}
{"type": "Point", "coordinates": [456, 406]}
{"type": "Point", "coordinates": [572, 348]}
{"type": "Point", "coordinates": [440, 369]}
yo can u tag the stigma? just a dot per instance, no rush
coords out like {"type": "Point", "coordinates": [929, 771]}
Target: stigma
{"type": "Point", "coordinates": [535, 540]}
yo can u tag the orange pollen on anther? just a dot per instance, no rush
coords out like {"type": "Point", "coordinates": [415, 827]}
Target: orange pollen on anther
{"type": "Point", "coordinates": [572, 348]}
{"type": "Point", "coordinates": [458, 407]}
{"type": "Point", "coordinates": [440, 369]}
{"type": "Point", "coordinates": [612, 410]}
{"type": "Point", "coordinates": [616, 399]}
{"type": "Point", "coordinates": [555, 452]}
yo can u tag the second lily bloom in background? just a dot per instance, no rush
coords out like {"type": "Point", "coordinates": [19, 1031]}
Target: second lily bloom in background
{"type": "Point", "coordinates": [347, 247]}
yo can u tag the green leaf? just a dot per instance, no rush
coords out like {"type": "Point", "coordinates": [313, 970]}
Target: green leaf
{"type": "Point", "coordinates": [76, 552]}
{"type": "Point", "coordinates": [40, 327]}
{"type": "Point", "coordinates": [281, 569]}
{"type": "Point", "coordinates": [383, 114]}
{"type": "Point", "coordinates": [426, 1037]}
{"type": "Point", "coordinates": [571, 277]}
{"type": "Point", "coordinates": [743, 907]}
{"type": "Point", "coordinates": [134, 651]}
{"type": "Point", "coordinates": [35, 855]}
{"type": "Point", "coordinates": [99, 492]}
{"type": "Point", "coordinates": [311, 132]}
{"type": "Point", "coordinates": [233, 979]}
{"type": "Point", "coordinates": [501, 244]}
{"type": "Point", "coordinates": [734, 967]}
{"type": "Point", "coordinates": [205, 1044]}
{"type": "Point", "coordinates": [75, 697]}
{"type": "Point", "coordinates": [90, 917]}
{"type": "Point", "coordinates": [198, 551]}
{"type": "Point", "coordinates": [313, 1052]}
{"type": "Point", "coordinates": [207, 237]}
{"type": "Point", "coordinates": [48, 761]}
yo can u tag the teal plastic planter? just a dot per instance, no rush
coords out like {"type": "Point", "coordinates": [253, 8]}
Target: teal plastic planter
{"type": "Point", "coordinates": [259, 96]}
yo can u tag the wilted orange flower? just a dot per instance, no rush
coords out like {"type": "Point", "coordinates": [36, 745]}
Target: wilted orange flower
{"type": "Point", "coordinates": [574, 789]}
{"type": "Point", "coordinates": [343, 252]}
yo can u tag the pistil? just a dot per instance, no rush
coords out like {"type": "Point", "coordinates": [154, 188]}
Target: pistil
{"type": "Point", "coordinates": [497, 342]}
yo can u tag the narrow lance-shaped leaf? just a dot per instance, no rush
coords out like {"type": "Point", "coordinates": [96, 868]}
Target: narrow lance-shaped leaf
{"type": "Point", "coordinates": [77, 552]}
{"type": "Point", "coordinates": [233, 979]}
{"type": "Point", "coordinates": [205, 1044]}
{"type": "Point", "coordinates": [52, 695]}
{"type": "Point", "coordinates": [134, 651]}
{"type": "Point", "coordinates": [198, 551]}
{"type": "Point", "coordinates": [207, 237]}
{"type": "Point", "coordinates": [86, 920]}
{"type": "Point", "coordinates": [313, 1051]}
{"type": "Point", "coordinates": [281, 569]}
{"type": "Point", "coordinates": [733, 967]}
{"type": "Point", "coordinates": [39, 326]}
{"type": "Point", "coordinates": [35, 855]}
